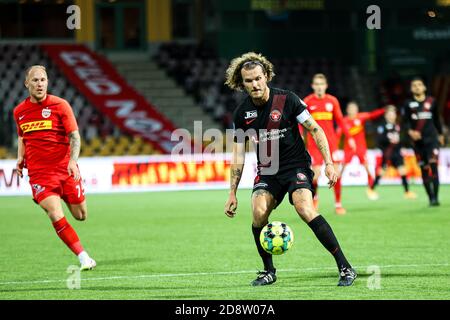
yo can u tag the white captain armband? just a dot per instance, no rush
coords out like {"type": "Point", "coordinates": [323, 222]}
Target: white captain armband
{"type": "Point", "coordinates": [302, 117]}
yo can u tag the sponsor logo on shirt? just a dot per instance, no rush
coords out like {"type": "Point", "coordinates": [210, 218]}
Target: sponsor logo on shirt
{"type": "Point", "coordinates": [36, 125]}
{"type": "Point", "coordinates": [422, 115]}
{"type": "Point", "coordinates": [275, 115]}
{"type": "Point", "coordinates": [251, 114]}
{"type": "Point", "coordinates": [413, 104]}
{"type": "Point", "coordinates": [46, 112]}
{"type": "Point", "coordinates": [329, 106]}
{"type": "Point", "coordinates": [274, 134]}
{"type": "Point", "coordinates": [355, 130]}
{"type": "Point", "coordinates": [322, 116]}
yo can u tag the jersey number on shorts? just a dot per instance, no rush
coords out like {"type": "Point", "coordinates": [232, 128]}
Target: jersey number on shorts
{"type": "Point", "coordinates": [80, 189]}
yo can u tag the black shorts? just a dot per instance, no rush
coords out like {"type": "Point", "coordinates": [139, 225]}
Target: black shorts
{"type": "Point", "coordinates": [426, 152]}
{"type": "Point", "coordinates": [286, 182]}
{"type": "Point", "coordinates": [393, 158]}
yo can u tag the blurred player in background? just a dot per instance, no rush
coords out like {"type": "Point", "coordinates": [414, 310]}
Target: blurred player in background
{"type": "Point", "coordinates": [325, 109]}
{"type": "Point", "coordinates": [421, 121]}
{"type": "Point", "coordinates": [273, 116]}
{"type": "Point", "coordinates": [48, 146]}
{"type": "Point", "coordinates": [389, 142]}
{"type": "Point", "coordinates": [355, 122]}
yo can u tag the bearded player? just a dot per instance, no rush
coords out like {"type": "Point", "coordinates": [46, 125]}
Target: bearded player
{"type": "Point", "coordinates": [325, 109]}
{"type": "Point", "coordinates": [269, 117]}
{"type": "Point", "coordinates": [48, 146]}
{"type": "Point", "coordinates": [355, 122]}
{"type": "Point", "coordinates": [422, 123]}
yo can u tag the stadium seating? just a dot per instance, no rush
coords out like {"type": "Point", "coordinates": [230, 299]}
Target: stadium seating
{"type": "Point", "coordinates": [100, 136]}
{"type": "Point", "coordinates": [201, 72]}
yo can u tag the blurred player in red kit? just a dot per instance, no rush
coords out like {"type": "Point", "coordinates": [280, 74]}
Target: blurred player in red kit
{"type": "Point", "coordinates": [325, 109]}
{"type": "Point", "coordinates": [49, 146]}
{"type": "Point", "coordinates": [355, 122]}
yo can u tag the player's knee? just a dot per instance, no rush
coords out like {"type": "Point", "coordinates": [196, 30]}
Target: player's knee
{"type": "Point", "coordinates": [260, 215]}
{"type": "Point", "coordinates": [307, 213]}
{"type": "Point", "coordinates": [80, 214]}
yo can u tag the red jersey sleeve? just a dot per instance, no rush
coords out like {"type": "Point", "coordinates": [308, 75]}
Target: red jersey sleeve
{"type": "Point", "coordinates": [364, 116]}
{"type": "Point", "coordinates": [337, 115]}
{"type": "Point", "coordinates": [68, 118]}
{"type": "Point", "coordinates": [19, 130]}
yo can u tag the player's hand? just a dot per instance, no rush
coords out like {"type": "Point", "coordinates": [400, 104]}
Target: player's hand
{"type": "Point", "coordinates": [441, 140]}
{"type": "Point", "coordinates": [331, 175]}
{"type": "Point", "coordinates": [19, 167]}
{"type": "Point", "coordinates": [415, 135]}
{"type": "Point", "coordinates": [231, 206]}
{"type": "Point", "coordinates": [73, 170]}
{"type": "Point", "coordinates": [352, 144]}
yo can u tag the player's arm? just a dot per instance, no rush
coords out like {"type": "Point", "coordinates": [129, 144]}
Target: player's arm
{"type": "Point", "coordinates": [372, 115]}
{"type": "Point", "coordinates": [236, 169]}
{"type": "Point", "coordinates": [20, 156]}
{"type": "Point", "coordinates": [437, 124]}
{"type": "Point", "coordinates": [20, 146]}
{"type": "Point", "coordinates": [75, 146]}
{"type": "Point", "coordinates": [322, 144]}
{"type": "Point", "coordinates": [407, 125]}
{"type": "Point", "coordinates": [337, 114]}
{"type": "Point", "coordinates": [71, 127]}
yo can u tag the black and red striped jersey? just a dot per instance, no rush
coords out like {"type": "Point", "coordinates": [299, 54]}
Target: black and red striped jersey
{"type": "Point", "coordinates": [273, 127]}
{"type": "Point", "coordinates": [422, 116]}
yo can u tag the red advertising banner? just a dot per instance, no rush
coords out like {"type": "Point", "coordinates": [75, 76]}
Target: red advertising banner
{"type": "Point", "coordinates": [104, 88]}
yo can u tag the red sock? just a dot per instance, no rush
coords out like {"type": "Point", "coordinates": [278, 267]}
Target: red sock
{"type": "Point", "coordinates": [337, 191]}
{"type": "Point", "coordinates": [67, 234]}
{"type": "Point", "coordinates": [370, 180]}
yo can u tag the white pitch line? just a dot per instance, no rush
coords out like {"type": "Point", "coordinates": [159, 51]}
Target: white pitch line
{"type": "Point", "coordinates": [157, 275]}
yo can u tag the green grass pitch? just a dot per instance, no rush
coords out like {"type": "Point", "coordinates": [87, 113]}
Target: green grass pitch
{"type": "Point", "coordinates": [180, 245]}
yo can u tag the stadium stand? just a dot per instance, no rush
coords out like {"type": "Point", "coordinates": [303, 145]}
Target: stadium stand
{"type": "Point", "coordinates": [100, 136]}
{"type": "Point", "coordinates": [200, 71]}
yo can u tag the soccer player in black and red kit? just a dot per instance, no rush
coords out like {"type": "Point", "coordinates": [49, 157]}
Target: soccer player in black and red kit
{"type": "Point", "coordinates": [389, 132]}
{"type": "Point", "coordinates": [269, 117]}
{"type": "Point", "coordinates": [421, 120]}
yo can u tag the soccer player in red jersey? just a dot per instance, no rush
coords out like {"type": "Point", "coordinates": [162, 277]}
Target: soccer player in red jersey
{"type": "Point", "coordinates": [49, 146]}
{"type": "Point", "coordinates": [325, 109]}
{"type": "Point", "coordinates": [355, 122]}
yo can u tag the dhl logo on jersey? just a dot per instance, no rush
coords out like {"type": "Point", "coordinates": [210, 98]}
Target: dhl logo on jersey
{"type": "Point", "coordinates": [36, 125]}
{"type": "Point", "coordinates": [355, 130]}
{"type": "Point", "coordinates": [322, 116]}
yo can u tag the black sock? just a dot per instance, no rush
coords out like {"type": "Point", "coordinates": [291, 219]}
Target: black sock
{"type": "Point", "coordinates": [265, 256]}
{"type": "Point", "coordinates": [427, 183]}
{"type": "Point", "coordinates": [325, 234]}
{"type": "Point", "coordinates": [405, 183]}
{"type": "Point", "coordinates": [375, 182]}
{"type": "Point", "coordinates": [435, 179]}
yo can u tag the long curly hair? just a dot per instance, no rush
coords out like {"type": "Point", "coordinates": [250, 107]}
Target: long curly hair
{"type": "Point", "coordinates": [233, 76]}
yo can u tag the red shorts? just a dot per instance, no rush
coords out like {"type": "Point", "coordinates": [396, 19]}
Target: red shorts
{"type": "Point", "coordinates": [349, 154]}
{"type": "Point", "coordinates": [56, 183]}
{"type": "Point", "coordinates": [316, 155]}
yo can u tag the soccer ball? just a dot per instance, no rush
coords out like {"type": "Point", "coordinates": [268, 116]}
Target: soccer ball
{"type": "Point", "coordinates": [276, 238]}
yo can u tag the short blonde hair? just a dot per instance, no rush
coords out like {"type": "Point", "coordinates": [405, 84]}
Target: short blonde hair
{"type": "Point", "coordinates": [390, 107]}
{"type": "Point", "coordinates": [27, 72]}
{"type": "Point", "coordinates": [233, 76]}
{"type": "Point", "coordinates": [319, 76]}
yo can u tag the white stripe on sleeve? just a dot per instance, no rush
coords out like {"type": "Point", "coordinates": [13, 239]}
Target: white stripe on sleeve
{"type": "Point", "coordinates": [302, 117]}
